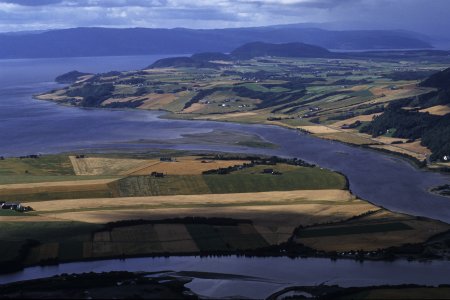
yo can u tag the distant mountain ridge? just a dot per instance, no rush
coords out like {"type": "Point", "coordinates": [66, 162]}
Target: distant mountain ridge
{"type": "Point", "coordinates": [79, 42]}
{"type": "Point", "coordinates": [247, 51]}
{"type": "Point", "coordinates": [256, 49]}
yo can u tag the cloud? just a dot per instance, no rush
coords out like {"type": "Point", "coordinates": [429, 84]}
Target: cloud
{"type": "Point", "coordinates": [44, 14]}
{"type": "Point", "coordinates": [31, 2]}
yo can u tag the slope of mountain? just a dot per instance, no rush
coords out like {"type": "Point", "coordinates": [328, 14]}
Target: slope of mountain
{"type": "Point", "coordinates": [70, 77]}
{"type": "Point", "coordinates": [417, 123]}
{"type": "Point", "coordinates": [440, 80]}
{"type": "Point", "coordinates": [247, 51]}
{"type": "Point", "coordinates": [140, 41]}
{"type": "Point", "coordinates": [256, 49]}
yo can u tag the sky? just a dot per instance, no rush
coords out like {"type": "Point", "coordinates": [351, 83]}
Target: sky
{"type": "Point", "coordinates": [425, 16]}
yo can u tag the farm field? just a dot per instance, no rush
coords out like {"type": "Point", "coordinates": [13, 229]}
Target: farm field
{"type": "Point", "coordinates": [55, 190]}
{"type": "Point", "coordinates": [248, 91]}
{"type": "Point", "coordinates": [261, 219]}
{"type": "Point", "coordinates": [331, 98]}
{"type": "Point", "coordinates": [238, 204]}
{"type": "Point", "coordinates": [439, 110]}
{"type": "Point", "coordinates": [380, 229]}
{"type": "Point", "coordinates": [320, 96]}
{"type": "Point", "coordinates": [101, 177]}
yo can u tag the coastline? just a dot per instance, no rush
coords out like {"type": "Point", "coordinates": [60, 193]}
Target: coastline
{"type": "Point", "coordinates": [283, 250]}
{"type": "Point", "coordinates": [169, 115]}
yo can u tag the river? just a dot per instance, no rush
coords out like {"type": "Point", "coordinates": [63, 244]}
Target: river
{"type": "Point", "coordinates": [29, 126]}
{"type": "Point", "coordinates": [260, 277]}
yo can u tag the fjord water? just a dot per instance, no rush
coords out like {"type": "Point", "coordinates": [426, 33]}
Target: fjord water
{"type": "Point", "coordinates": [258, 278]}
{"type": "Point", "coordinates": [29, 126]}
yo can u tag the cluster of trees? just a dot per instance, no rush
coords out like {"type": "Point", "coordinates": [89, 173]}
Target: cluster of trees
{"type": "Point", "coordinates": [433, 130]}
{"type": "Point", "coordinates": [255, 160]}
{"type": "Point", "coordinates": [186, 220]}
{"type": "Point", "coordinates": [93, 94]}
{"type": "Point", "coordinates": [408, 75]}
{"type": "Point", "coordinates": [70, 77]}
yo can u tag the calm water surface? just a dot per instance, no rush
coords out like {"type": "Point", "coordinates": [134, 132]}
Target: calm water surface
{"type": "Point", "coordinates": [266, 275]}
{"type": "Point", "coordinates": [29, 126]}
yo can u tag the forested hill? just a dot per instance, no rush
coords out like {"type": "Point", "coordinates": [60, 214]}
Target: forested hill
{"type": "Point", "coordinates": [77, 42]}
{"type": "Point", "coordinates": [256, 49]}
{"type": "Point", "coordinates": [440, 80]}
{"type": "Point", "coordinates": [433, 130]}
{"type": "Point", "coordinates": [247, 51]}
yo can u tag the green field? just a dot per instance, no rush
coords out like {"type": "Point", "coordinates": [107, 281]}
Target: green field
{"type": "Point", "coordinates": [286, 88]}
{"type": "Point", "coordinates": [242, 181]}
{"type": "Point", "coordinates": [47, 165]}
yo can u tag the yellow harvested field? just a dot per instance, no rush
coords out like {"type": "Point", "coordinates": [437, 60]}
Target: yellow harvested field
{"type": "Point", "coordinates": [415, 147]}
{"type": "Point", "coordinates": [28, 218]}
{"type": "Point", "coordinates": [155, 101]}
{"type": "Point", "coordinates": [358, 88]}
{"type": "Point", "coordinates": [318, 129]}
{"type": "Point", "coordinates": [329, 196]}
{"type": "Point", "coordinates": [59, 186]}
{"type": "Point", "coordinates": [395, 148]}
{"type": "Point", "coordinates": [105, 166]}
{"type": "Point", "coordinates": [183, 166]}
{"type": "Point", "coordinates": [438, 110]}
{"type": "Point", "coordinates": [274, 214]}
{"type": "Point", "coordinates": [194, 108]}
{"type": "Point", "coordinates": [387, 139]}
{"type": "Point", "coordinates": [386, 93]}
{"type": "Point", "coordinates": [56, 96]}
{"type": "Point", "coordinates": [361, 118]}
{"type": "Point", "coordinates": [84, 78]}
{"type": "Point", "coordinates": [274, 222]}
{"type": "Point", "coordinates": [228, 116]}
{"type": "Point", "coordinates": [347, 137]}
{"type": "Point", "coordinates": [189, 165]}
{"type": "Point", "coordinates": [440, 165]}
{"type": "Point", "coordinates": [119, 100]}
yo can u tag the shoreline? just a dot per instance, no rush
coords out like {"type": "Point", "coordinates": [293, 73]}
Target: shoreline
{"type": "Point", "coordinates": [410, 159]}
{"type": "Point", "coordinates": [275, 251]}
{"type": "Point", "coordinates": [288, 249]}
{"type": "Point", "coordinates": [166, 115]}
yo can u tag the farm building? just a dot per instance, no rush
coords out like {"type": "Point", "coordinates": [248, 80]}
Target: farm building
{"type": "Point", "coordinates": [166, 159]}
{"type": "Point", "coordinates": [157, 174]}
{"type": "Point", "coordinates": [14, 206]}
{"type": "Point", "coordinates": [271, 171]}
{"type": "Point", "coordinates": [11, 205]}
